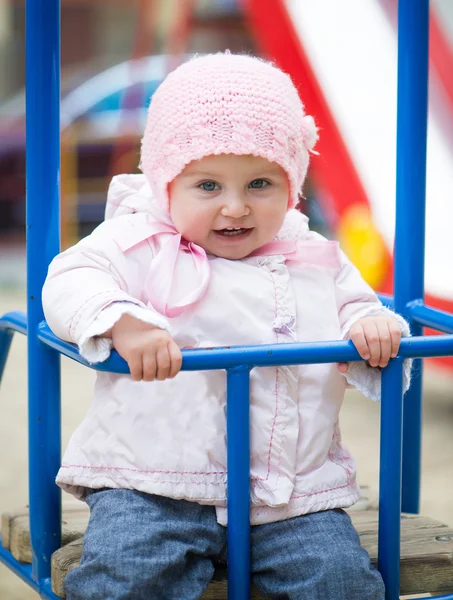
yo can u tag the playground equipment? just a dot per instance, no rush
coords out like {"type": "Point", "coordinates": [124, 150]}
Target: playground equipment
{"type": "Point", "coordinates": [427, 546]}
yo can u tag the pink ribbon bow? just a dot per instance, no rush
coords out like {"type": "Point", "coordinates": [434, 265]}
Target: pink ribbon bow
{"type": "Point", "coordinates": [161, 275]}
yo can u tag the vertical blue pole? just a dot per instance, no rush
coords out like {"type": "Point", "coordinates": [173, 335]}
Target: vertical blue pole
{"type": "Point", "coordinates": [238, 439]}
{"type": "Point", "coordinates": [43, 242]}
{"type": "Point", "coordinates": [413, 21]}
{"type": "Point", "coordinates": [390, 477]}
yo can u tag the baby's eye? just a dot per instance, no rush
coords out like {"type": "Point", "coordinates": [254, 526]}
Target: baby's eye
{"type": "Point", "coordinates": [258, 184]}
{"type": "Point", "coordinates": [209, 186]}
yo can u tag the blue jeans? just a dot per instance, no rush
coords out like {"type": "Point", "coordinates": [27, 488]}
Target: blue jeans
{"type": "Point", "coordinates": [139, 546]}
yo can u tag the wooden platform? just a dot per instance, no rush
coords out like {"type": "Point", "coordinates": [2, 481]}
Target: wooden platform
{"type": "Point", "coordinates": [426, 550]}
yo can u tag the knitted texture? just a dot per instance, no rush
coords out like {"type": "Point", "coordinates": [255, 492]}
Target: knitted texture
{"type": "Point", "coordinates": [226, 104]}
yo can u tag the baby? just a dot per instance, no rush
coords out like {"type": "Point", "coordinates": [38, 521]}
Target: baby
{"type": "Point", "coordinates": [206, 249]}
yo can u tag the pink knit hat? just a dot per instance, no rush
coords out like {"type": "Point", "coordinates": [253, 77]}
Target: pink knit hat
{"type": "Point", "coordinates": [226, 104]}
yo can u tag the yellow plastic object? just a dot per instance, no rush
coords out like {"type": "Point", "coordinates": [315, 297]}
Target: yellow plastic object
{"type": "Point", "coordinates": [363, 244]}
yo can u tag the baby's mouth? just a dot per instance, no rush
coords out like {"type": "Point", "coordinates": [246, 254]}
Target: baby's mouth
{"type": "Point", "coordinates": [232, 231]}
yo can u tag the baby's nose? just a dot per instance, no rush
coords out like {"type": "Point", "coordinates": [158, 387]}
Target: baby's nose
{"type": "Point", "coordinates": [235, 207]}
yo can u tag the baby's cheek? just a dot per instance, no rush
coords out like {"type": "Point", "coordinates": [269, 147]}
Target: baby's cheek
{"type": "Point", "coordinates": [183, 219]}
{"type": "Point", "coordinates": [195, 229]}
{"type": "Point", "coordinates": [275, 223]}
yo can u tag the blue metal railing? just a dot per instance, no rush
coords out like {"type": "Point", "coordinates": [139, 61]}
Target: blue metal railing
{"type": "Point", "coordinates": [43, 83]}
{"type": "Point", "coordinates": [413, 25]}
{"type": "Point", "coordinates": [43, 243]}
{"type": "Point", "coordinates": [238, 362]}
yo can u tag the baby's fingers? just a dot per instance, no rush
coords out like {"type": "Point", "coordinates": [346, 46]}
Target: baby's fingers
{"type": "Point", "coordinates": [149, 366]}
{"type": "Point", "coordinates": [373, 342]}
{"type": "Point", "coordinates": [395, 334]}
{"type": "Point", "coordinates": [163, 361]}
{"type": "Point", "coordinates": [385, 342]}
{"type": "Point", "coordinates": [169, 361]}
{"type": "Point", "coordinates": [357, 335]}
{"type": "Point", "coordinates": [176, 359]}
{"type": "Point", "coordinates": [135, 362]}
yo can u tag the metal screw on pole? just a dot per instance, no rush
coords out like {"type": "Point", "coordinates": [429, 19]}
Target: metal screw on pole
{"type": "Point", "coordinates": [443, 538]}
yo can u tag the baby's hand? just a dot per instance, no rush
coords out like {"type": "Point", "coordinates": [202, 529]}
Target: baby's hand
{"type": "Point", "coordinates": [377, 339]}
{"type": "Point", "coordinates": [150, 352]}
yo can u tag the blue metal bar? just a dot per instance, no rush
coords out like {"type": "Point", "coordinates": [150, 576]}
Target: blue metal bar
{"type": "Point", "coordinates": [430, 317]}
{"type": "Point", "coordinates": [425, 315]}
{"type": "Point", "coordinates": [43, 588]}
{"type": "Point", "coordinates": [386, 300]}
{"type": "Point", "coordinates": [14, 321]}
{"type": "Point", "coordinates": [447, 597]}
{"type": "Point", "coordinates": [238, 438]}
{"type": "Point", "coordinates": [9, 323]}
{"type": "Point", "coordinates": [225, 358]}
{"type": "Point", "coordinates": [43, 218]}
{"type": "Point", "coordinates": [6, 337]}
{"type": "Point", "coordinates": [390, 477]}
{"type": "Point", "coordinates": [261, 356]}
{"type": "Point", "coordinates": [413, 21]}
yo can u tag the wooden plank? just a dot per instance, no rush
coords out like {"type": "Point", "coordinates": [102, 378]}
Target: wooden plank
{"type": "Point", "coordinates": [426, 550]}
{"type": "Point", "coordinates": [7, 520]}
{"type": "Point", "coordinates": [16, 530]}
{"type": "Point", "coordinates": [426, 556]}
{"type": "Point", "coordinates": [64, 561]}
{"type": "Point", "coordinates": [68, 558]}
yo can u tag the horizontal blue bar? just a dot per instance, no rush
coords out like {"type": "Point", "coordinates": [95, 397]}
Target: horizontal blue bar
{"type": "Point", "coordinates": [386, 300]}
{"type": "Point", "coordinates": [430, 317]}
{"type": "Point", "coordinates": [44, 588]}
{"type": "Point", "coordinates": [14, 321]}
{"type": "Point", "coordinates": [234, 356]}
{"type": "Point", "coordinates": [447, 597]}
{"type": "Point", "coordinates": [261, 356]}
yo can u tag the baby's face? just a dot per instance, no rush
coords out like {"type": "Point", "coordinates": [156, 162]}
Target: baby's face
{"type": "Point", "coordinates": [229, 205]}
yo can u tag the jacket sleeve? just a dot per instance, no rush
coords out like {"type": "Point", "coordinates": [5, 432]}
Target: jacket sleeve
{"type": "Point", "coordinates": [90, 286]}
{"type": "Point", "coordinates": [355, 300]}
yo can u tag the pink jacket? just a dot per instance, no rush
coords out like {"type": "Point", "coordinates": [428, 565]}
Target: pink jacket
{"type": "Point", "coordinates": [168, 438]}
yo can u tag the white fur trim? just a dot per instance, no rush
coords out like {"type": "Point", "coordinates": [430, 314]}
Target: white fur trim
{"type": "Point", "coordinates": [97, 349]}
{"type": "Point", "coordinates": [366, 379]}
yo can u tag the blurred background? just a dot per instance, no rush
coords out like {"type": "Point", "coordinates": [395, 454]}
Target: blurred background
{"type": "Point", "coordinates": [342, 57]}
{"type": "Point", "coordinates": [114, 54]}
